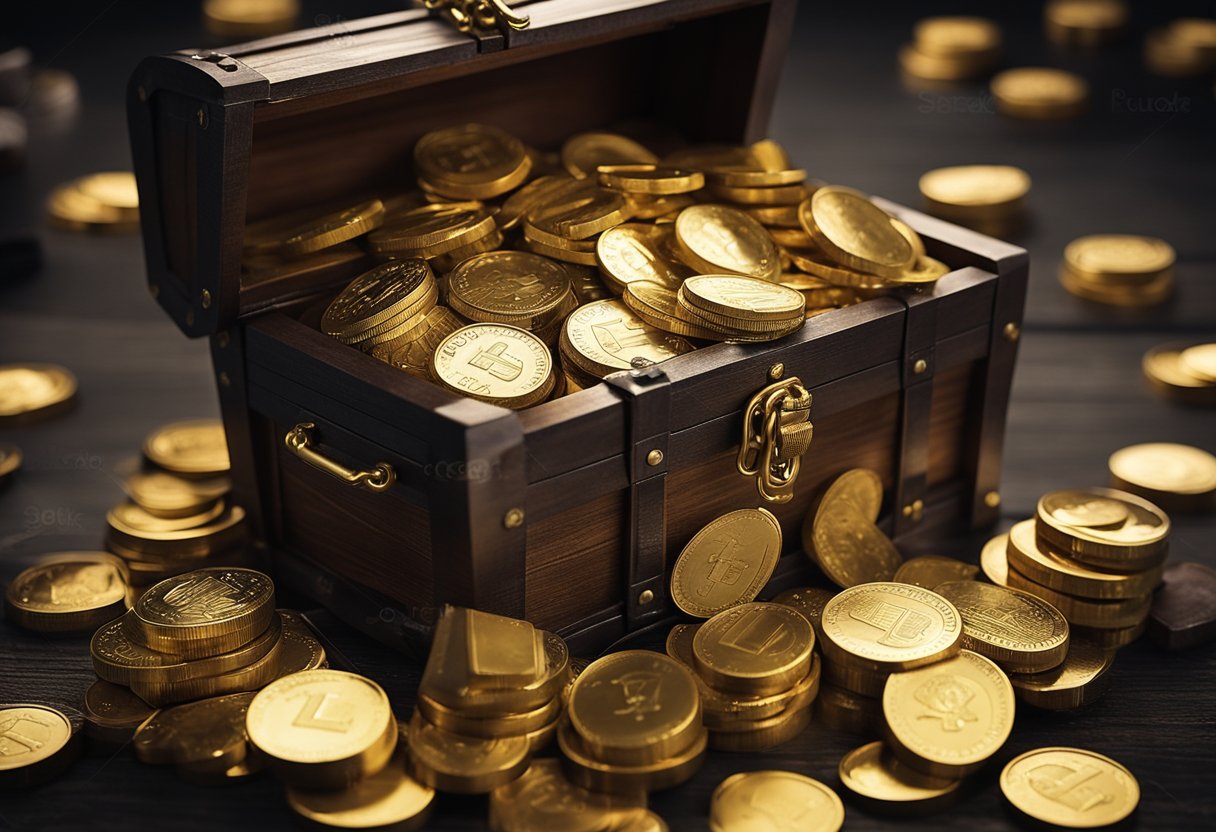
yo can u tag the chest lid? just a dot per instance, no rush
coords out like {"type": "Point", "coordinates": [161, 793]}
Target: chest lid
{"type": "Point", "coordinates": [226, 139]}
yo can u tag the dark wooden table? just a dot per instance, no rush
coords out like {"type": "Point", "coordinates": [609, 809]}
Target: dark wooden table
{"type": "Point", "coordinates": [845, 114]}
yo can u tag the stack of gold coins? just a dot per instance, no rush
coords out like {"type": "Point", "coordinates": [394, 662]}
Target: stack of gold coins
{"type": "Point", "coordinates": [740, 308]}
{"type": "Point", "coordinates": [753, 799]}
{"type": "Point", "coordinates": [1184, 48]}
{"type": "Point", "coordinates": [840, 535]}
{"type": "Point", "coordinates": [1040, 93]}
{"type": "Point", "coordinates": [1119, 269]}
{"type": "Point", "coordinates": [1085, 23]}
{"type": "Point", "coordinates": [102, 202]}
{"type": "Point", "coordinates": [490, 696]}
{"type": "Point", "coordinates": [607, 337]}
{"type": "Point", "coordinates": [32, 392]}
{"type": "Point", "coordinates": [544, 798]}
{"type": "Point", "coordinates": [384, 306]}
{"type": "Point", "coordinates": [634, 725]}
{"type": "Point", "coordinates": [1182, 372]}
{"type": "Point", "coordinates": [952, 49]}
{"type": "Point", "coordinates": [69, 592]}
{"type": "Point", "coordinates": [988, 198]}
{"type": "Point", "coordinates": [1176, 477]}
{"type": "Point", "coordinates": [513, 287]}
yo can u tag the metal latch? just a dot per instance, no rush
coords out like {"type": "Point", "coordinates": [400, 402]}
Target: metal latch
{"type": "Point", "coordinates": [777, 430]}
{"type": "Point", "coordinates": [475, 16]}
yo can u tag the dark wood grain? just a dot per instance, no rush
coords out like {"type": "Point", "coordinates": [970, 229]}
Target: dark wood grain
{"type": "Point", "coordinates": [843, 112]}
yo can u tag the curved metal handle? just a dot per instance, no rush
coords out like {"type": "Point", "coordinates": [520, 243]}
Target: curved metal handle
{"type": "Point", "coordinates": [299, 440]}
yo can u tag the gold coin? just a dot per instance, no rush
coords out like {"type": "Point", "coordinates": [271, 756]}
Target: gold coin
{"type": "Point", "coordinates": [464, 765]}
{"type": "Point", "coordinates": [10, 461]}
{"type": "Point", "coordinates": [605, 337]}
{"type": "Point", "coordinates": [746, 298]}
{"type": "Point", "coordinates": [413, 351]}
{"type": "Point", "coordinates": [1138, 542]}
{"type": "Point", "coordinates": [854, 231]}
{"type": "Point", "coordinates": [579, 252]}
{"type": "Point", "coordinates": [849, 549]}
{"type": "Point", "coordinates": [717, 239]}
{"type": "Point", "coordinates": [576, 214]}
{"type": "Point", "coordinates": [68, 592]}
{"type": "Point", "coordinates": [886, 785]}
{"type": "Point", "coordinates": [542, 798]}
{"type": "Point", "coordinates": [205, 612]}
{"type": "Point", "coordinates": [247, 19]}
{"type": "Point", "coordinates": [1044, 565]}
{"type": "Point", "coordinates": [488, 727]}
{"type": "Point", "coordinates": [590, 772]}
{"type": "Point", "coordinates": [583, 154]}
{"type": "Point", "coordinates": [1119, 259]}
{"type": "Point", "coordinates": [1078, 681]}
{"type": "Point", "coordinates": [323, 729]}
{"type": "Point", "coordinates": [334, 228]}
{"type": "Point", "coordinates": [947, 719]}
{"type": "Point", "coordinates": [530, 197]}
{"type": "Point", "coordinates": [660, 307]}
{"type": "Point", "coordinates": [112, 713]}
{"type": "Point", "coordinates": [889, 626]}
{"type": "Point", "coordinates": [508, 287]}
{"type": "Point", "coordinates": [211, 732]}
{"type": "Point", "coordinates": [1163, 370]}
{"type": "Point", "coordinates": [650, 179]}
{"type": "Point", "coordinates": [71, 209]}
{"type": "Point", "coordinates": [1017, 630]}
{"type": "Point", "coordinates": [918, 65]}
{"type": "Point", "coordinates": [727, 562]}
{"type": "Point", "coordinates": [754, 649]}
{"type": "Point", "coordinates": [1070, 787]}
{"type": "Point", "coordinates": [635, 707]}
{"type": "Point", "coordinates": [775, 216]}
{"type": "Point", "coordinates": [956, 35]}
{"type": "Point", "coordinates": [115, 189]}
{"type": "Point", "coordinates": [774, 800]}
{"type": "Point", "coordinates": [1199, 361]}
{"type": "Point", "coordinates": [1084, 22]}
{"type": "Point", "coordinates": [376, 300]}
{"type": "Point", "coordinates": [220, 534]}
{"type": "Point", "coordinates": [635, 252]}
{"type": "Point", "coordinates": [29, 392]}
{"type": "Point", "coordinates": [495, 363]}
{"type": "Point", "coordinates": [971, 191]}
{"type": "Point", "coordinates": [861, 488]}
{"type": "Point", "coordinates": [471, 161]}
{"type": "Point", "coordinates": [388, 799]}
{"type": "Point", "coordinates": [134, 520]}
{"type": "Point", "coordinates": [815, 262]}
{"type": "Point", "coordinates": [193, 449]}
{"type": "Point", "coordinates": [1039, 93]}
{"type": "Point", "coordinates": [168, 496]}
{"type": "Point", "coordinates": [1178, 477]}
{"type": "Point", "coordinates": [928, 571]}
{"type": "Point", "coordinates": [431, 230]}
{"type": "Point", "coordinates": [300, 649]}
{"type": "Point", "coordinates": [1156, 290]}
{"type": "Point", "coordinates": [37, 744]}
{"type": "Point", "coordinates": [809, 601]}
{"type": "Point", "coordinates": [1113, 614]}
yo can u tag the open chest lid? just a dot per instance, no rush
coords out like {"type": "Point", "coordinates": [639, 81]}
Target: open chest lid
{"type": "Point", "coordinates": [226, 137]}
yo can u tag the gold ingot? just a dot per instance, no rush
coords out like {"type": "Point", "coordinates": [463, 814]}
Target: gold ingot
{"type": "Point", "coordinates": [542, 798]}
{"type": "Point", "coordinates": [210, 732]}
{"type": "Point", "coordinates": [1138, 542]}
{"type": "Point", "coordinates": [432, 230]}
{"type": "Point", "coordinates": [754, 649]}
{"type": "Point", "coordinates": [1199, 361]}
{"type": "Point", "coordinates": [31, 392]}
{"type": "Point", "coordinates": [1070, 787]}
{"type": "Point", "coordinates": [1039, 93]}
{"type": "Point", "coordinates": [112, 713]}
{"type": "Point", "coordinates": [886, 786]}
{"type": "Point", "coordinates": [660, 308]}
{"type": "Point", "coordinates": [205, 612]}
{"type": "Point", "coordinates": [489, 727]}
{"type": "Point", "coordinates": [742, 299]}
{"type": "Point", "coordinates": [1175, 477]}
{"type": "Point", "coordinates": [650, 179]}
{"type": "Point", "coordinates": [10, 461]}
{"type": "Point", "coordinates": [635, 708]}
{"type": "Point", "coordinates": [1041, 563]}
{"type": "Point", "coordinates": [605, 336]}
{"type": "Point", "coordinates": [855, 232]}
{"type": "Point", "coordinates": [948, 719]}
{"type": "Point", "coordinates": [388, 799]}
{"type": "Point", "coordinates": [413, 351]}
{"type": "Point", "coordinates": [1079, 680]}
{"type": "Point", "coordinates": [761, 734]}
{"type": "Point", "coordinates": [67, 592]}
{"type": "Point", "coordinates": [889, 627]}
{"type": "Point", "coordinates": [717, 239]}
{"type": "Point", "coordinates": [1119, 259]}
{"type": "Point", "coordinates": [197, 448]}
{"type": "Point", "coordinates": [727, 562]}
{"type": "Point", "coordinates": [928, 571]}
{"type": "Point", "coordinates": [975, 192]}
{"type": "Point", "coordinates": [583, 154]}
{"type": "Point", "coordinates": [809, 601]}
{"type": "Point", "coordinates": [39, 743]}
{"type": "Point", "coordinates": [1115, 614]}
{"type": "Point", "coordinates": [471, 161]}
{"type": "Point", "coordinates": [168, 496]}
{"type": "Point", "coordinates": [770, 799]}
{"type": "Point", "coordinates": [1084, 23]}
{"type": "Point", "coordinates": [332, 229]}
{"type": "Point", "coordinates": [635, 252]}
{"type": "Point", "coordinates": [590, 772]}
{"type": "Point", "coordinates": [495, 363]}
{"type": "Point", "coordinates": [1020, 632]}
{"type": "Point", "coordinates": [1163, 370]}
{"type": "Point", "coordinates": [464, 765]}
{"type": "Point", "coordinates": [510, 287]}
{"type": "Point", "coordinates": [849, 549]}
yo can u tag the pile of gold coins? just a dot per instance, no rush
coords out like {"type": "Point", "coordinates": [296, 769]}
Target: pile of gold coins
{"type": "Point", "coordinates": [490, 696]}
{"type": "Point", "coordinates": [952, 49]}
{"type": "Point", "coordinates": [1094, 554]}
{"type": "Point", "coordinates": [1182, 372]}
{"type": "Point", "coordinates": [1119, 269]}
{"type": "Point", "coordinates": [101, 202]}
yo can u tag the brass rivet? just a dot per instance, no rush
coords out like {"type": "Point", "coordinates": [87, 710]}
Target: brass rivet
{"type": "Point", "coordinates": [654, 457]}
{"type": "Point", "coordinates": [908, 510]}
{"type": "Point", "coordinates": [776, 371]}
{"type": "Point", "coordinates": [992, 499]}
{"type": "Point", "coordinates": [202, 117]}
{"type": "Point", "coordinates": [222, 340]}
{"type": "Point", "coordinates": [224, 379]}
{"type": "Point", "coordinates": [1011, 331]}
{"type": "Point", "coordinates": [514, 518]}
{"type": "Point", "coordinates": [920, 366]}
{"type": "Point", "coordinates": [206, 298]}
{"type": "Point", "coordinates": [153, 290]}
{"type": "Point", "coordinates": [919, 505]}
{"type": "Point", "coordinates": [645, 597]}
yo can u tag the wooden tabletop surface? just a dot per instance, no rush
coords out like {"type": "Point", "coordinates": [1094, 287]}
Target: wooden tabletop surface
{"type": "Point", "coordinates": [1139, 161]}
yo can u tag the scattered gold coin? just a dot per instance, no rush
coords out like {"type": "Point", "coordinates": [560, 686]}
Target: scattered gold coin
{"type": "Point", "coordinates": [388, 799]}
{"type": "Point", "coordinates": [1176, 477]}
{"type": "Point", "coordinates": [1064, 799]}
{"type": "Point", "coordinates": [464, 765]}
{"type": "Point", "coordinates": [191, 449]}
{"type": "Point", "coordinates": [583, 154]}
{"type": "Point", "coordinates": [840, 535]}
{"type": "Point", "coordinates": [718, 239]}
{"type": "Point", "coordinates": [168, 496]}
{"type": "Point", "coordinates": [976, 194]}
{"type": "Point", "coordinates": [1040, 93]}
{"type": "Point", "coordinates": [1085, 22]}
{"type": "Point", "coordinates": [104, 202]}
{"type": "Point", "coordinates": [38, 744]}
{"type": "Point", "coordinates": [855, 232]}
{"type": "Point", "coordinates": [726, 563]}
{"type": "Point", "coordinates": [31, 392]}
{"type": "Point", "coordinates": [1134, 540]}
{"type": "Point", "coordinates": [754, 649]}
{"type": "Point", "coordinates": [772, 799]}
{"type": "Point", "coordinates": [1038, 561]}
{"type": "Point", "coordinates": [112, 713]}
{"type": "Point", "coordinates": [470, 161]}
{"type": "Point", "coordinates": [1119, 269]}
{"type": "Point", "coordinates": [210, 733]}
{"type": "Point", "coordinates": [1184, 48]}
{"type": "Point", "coordinates": [68, 592]}
{"type": "Point", "coordinates": [885, 785]}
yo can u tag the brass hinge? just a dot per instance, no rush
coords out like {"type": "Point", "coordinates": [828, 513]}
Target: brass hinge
{"type": "Point", "coordinates": [473, 16]}
{"type": "Point", "coordinates": [777, 431]}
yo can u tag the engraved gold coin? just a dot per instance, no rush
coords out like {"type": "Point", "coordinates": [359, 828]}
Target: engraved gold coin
{"type": "Point", "coordinates": [727, 562]}
{"type": "Point", "coordinates": [1078, 681]}
{"type": "Point", "coordinates": [300, 649]}
{"type": "Point", "coordinates": [974, 191]}
{"type": "Point", "coordinates": [29, 392]}
{"type": "Point", "coordinates": [889, 626]}
{"type": "Point", "coordinates": [543, 798]}
{"type": "Point", "coordinates": [773, 800]}
{"type": "Point", "coordinates": [849, 549]}
{"type": "Point", "coordinates": [1050, 567]}
{"type": "Point", "coordinates": [635, 707]}
{"type": "Point", "coordinates": [322, 729]}
{"type": "Point", "coordinates": [1176, 477]}
{"type": "Point", "coordinates": [1019, 631]}
{"type": "Point", "coordinates": [590, 772]}
{"type": "Point", "coordinates": [67, 592]}
{"type": "Point", "coordinates": [583, 154]}
{"type": "Point", "coordinates": [531, 196]}
{"type": "Point", "coordinates": [388, 799]}
{"type": "Point", "coordinates": [930, 570]}
{"type": "Point", "coordinates": [511, 287]}
{"type": "Point", "coordinates": [717, 239]}
{"type": "Point", "coordinates": [378, 300]}
{"type": "Point", "coordinates": [471, 161]}
{"type": "Point", "coordinates": [112, 713]}
{"type": "Point", "coordinates": [855, 232]}
{"type": "Point", "coordinates": [886, 785]}
{"type": "Point", "coordinates": [168, 496]}
{"type": "Point", "coordinates": [754, 649]}
{"type": "Point", "coordinates": [210, 732]}
{"type": "Point", "coordinates": [605, 337]}
{"type": "Point", "coordinates": [36, 744]}
{"type": "Point", "coordinates": [191, 449]}
{"type": "Point", "coordinates": [634, 252]}
{"type": "Point", "coordinates": [947, 719]}
{"type": "Point", "coordinates": [1070, 787]}
{"type": "Point", "coordinates": [332, 229]}
{"type": "Point", "coordinates": [495, 363]}
{"type": "Point", "coordinates": [660, 307]}
{"type": "Point", "coordinates": [1119, 259]}
{"type": "Point", "coordinates": [1137, 542]}
{"type": "Point", "coordinates": [205, 612]}
{"type": "Point", "coordinates": [463, 765]}
{"type": "Point", "coordinates": [1039, 93]}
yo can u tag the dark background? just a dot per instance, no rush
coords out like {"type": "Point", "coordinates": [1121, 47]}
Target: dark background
{"type": "Point", "coordinates": [845, 114]}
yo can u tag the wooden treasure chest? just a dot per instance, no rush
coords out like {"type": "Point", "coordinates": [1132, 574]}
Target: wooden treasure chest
{"type": "Point", "coordinates": [384, 496]}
